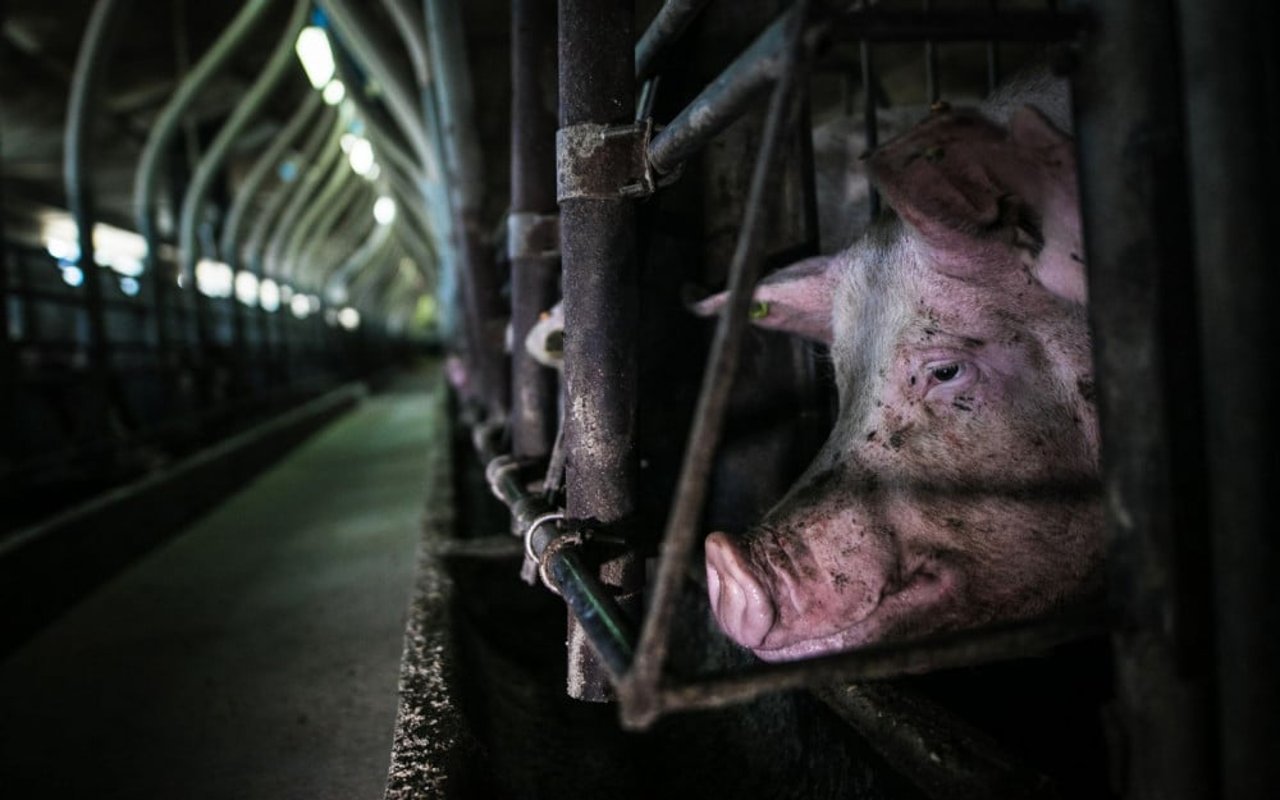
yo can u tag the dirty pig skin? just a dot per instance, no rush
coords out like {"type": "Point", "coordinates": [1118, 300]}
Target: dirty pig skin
{"type": "Point", "coordinates": [960, 483]}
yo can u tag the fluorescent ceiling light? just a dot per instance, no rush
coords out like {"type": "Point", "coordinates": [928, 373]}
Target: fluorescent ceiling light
{"type": "Point", "coordinates": [384, 210]}
{"type": "Point", "coordinates": [316, 55]}
{"type": "Point", "coordinates": [361, 156]}
{"type": "Point", "coordinates": [349, 318]}
{"type": "Point", "coordinates": [269, 295]}
{"type": "Point", "coordinates": [333, 93]}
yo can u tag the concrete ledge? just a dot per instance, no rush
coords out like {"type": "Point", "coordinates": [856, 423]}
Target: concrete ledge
{"type": "Point", "coordinates": [46, 568]}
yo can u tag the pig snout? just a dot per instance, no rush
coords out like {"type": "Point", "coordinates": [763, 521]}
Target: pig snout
{"type": "Point", "coordinates": [793, 598]}
{"type": "Point", "coordinates": [739, 601]}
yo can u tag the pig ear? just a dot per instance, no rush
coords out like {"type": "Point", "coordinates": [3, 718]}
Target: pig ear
{"type": "Point", "coordinates": [982, 197]}
{"type": "Point", "coordinates": [796, 299]}
{"type": "Point", "coordinates": [1059, 265]}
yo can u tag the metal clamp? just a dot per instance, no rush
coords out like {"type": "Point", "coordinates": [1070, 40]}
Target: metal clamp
{"type": "Point", "coordinates": [606, 162]}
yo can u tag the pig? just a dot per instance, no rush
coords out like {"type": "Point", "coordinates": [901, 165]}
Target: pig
{"type": "Point", "coordinates": [959, 486]}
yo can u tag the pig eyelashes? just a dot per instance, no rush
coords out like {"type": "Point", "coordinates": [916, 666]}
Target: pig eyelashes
{"type": "Point", "coordinates": [950, 376]}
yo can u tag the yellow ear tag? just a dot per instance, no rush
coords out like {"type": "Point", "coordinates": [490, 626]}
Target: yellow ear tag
{"type": "Point", "coordinates": [759, 310]}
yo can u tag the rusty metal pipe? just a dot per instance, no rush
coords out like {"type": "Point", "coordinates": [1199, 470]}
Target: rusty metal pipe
{"type": "Point", "coordinates": [535, 261]}
{"type": "Point", "coordinates": [668, 24]}
{"type": "Point", "coordinates": [598, 256]}
{"type": "Point", "coordinates": [695, 472]}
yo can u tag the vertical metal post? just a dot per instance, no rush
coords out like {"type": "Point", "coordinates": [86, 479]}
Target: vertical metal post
{"type": "Point", "coordinates": [455, 123]}
{"type": "Point", "coordinates": [993, 54]}
{"type": "Point", "coordinates": [1136, 222]}
{"type": "Point", "coordinates": [8, 365]}
{"type": "Point", "coordinates": [1229, 69]}
{"type": "Point", "coordinates": [95, 50]}
{"type": "Point", "coordinates": [931, 88]}
{"type": "Point", "coordinates": [534, 274]}
{"type": "Point", "coordinates": [871, 127]}
{"type": "Point", "coordinates": [599, 262]}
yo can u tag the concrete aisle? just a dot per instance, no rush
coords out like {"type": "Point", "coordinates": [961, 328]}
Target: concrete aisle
{"type": "Point", "coordinates": [254, 656]}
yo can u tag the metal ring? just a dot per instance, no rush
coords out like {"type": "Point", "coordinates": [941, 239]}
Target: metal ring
{"type": "Point", "coordinates": [538, 522]}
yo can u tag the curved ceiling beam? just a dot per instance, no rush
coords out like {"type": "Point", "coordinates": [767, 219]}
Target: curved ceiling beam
{"type": "Point", "coordinates": [317, 226]}
{"type": "Point", "coordinates": [255, 247]}
{"type": "Point", "coordinates": [357, 33]}
{"type": "Point", "coordinates": [263, 168]}
{"type": "Point", "coordinates": [333, 230]}
{"type": "Point", "coordinates": [166, 124]}
{"type": "Point", "coordinates": [209, 167]}
{"type": "Point", "coordinates": [329, 159]}
{"type": "Point", "coordinates": [339, 180]}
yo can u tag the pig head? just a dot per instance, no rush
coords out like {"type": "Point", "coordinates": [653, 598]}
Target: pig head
{"type": "Point", "coordinates": [959, 485]}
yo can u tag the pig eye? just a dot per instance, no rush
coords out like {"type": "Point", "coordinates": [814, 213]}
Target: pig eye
{"type": "Point", "coordinates": [945, 372]}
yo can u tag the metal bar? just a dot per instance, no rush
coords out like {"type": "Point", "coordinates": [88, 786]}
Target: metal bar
{"type": "Point", "coordinates": [157, 146]}
{"type": "Point", "coordinates": [463, 165]}
{"type": "Point", "coordinates": [591, 605]}
{"type": "Point", "coordinates": [193, 202]}
{"type": "Point", "coordinates": [411, 26]}
{"type": "Point", "coordinates": [667, 26]}
{"type": "Point", "coordinates": [320, 229]}
{"type": "Point", "coordinates": [604, 625]}
{"type": "Point", "coordinates": [263, 168]}
{"type": "Point", "coordinates": [738, 87]}
{"type": "Point", "coordinates": [726, 99]}
{"type": "Point", "coordinates": [256, 246]}
{"type": "Point", "coordinates": [1232, 124]}
{"type": "Point", "coordinates": [639, 695]}
{"type": "Point", "coordinates": [534, 277]}
{"type": "Point", "coordinates": [350, 270]}
{"type": "Point", "coordinates": [357, 33]}
{"type": "Point", "coordinates": [1136, 218]}
{"type": "Point", "coordinates": [357, 199]}
{"type": "Point", "coordinates": [877, 25]}
{"type": "Point", "coordinates": [598, 256]}
{"type": "Point", "coordinates": [930, 746]}
{"type": "Point", "coordinates": [329, 162]}
{"type": "Point", "coordinates": [890, 660]}
{"type": "Point", "coordinates": [8, 362]}
{"type": "Point", "coordinates": [931, 87]}
{"type": "Point", "coordinates": [95, 51]}
{"type": "Point", "coordinates": [871, 129]}
{"type": "Point", "coordinates": [349, 238]}
{"type": "Point", "coordinates": [341, 179]}
{"type": "Point", "coordinates": [993, 54]}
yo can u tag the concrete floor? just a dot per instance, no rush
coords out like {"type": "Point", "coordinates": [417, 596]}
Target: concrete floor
{"type": "Point", "coordinates": [254, 656]}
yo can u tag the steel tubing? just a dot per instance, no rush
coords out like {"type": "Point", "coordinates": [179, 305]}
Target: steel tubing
{"type": "Point", "coordinates": [329, 162]}
{"type": "Point", "coordinates": [741, 83]}
{"type": "Point", "coordinates": [1232, 124]}
{"type": "Point", "coordinates": [605, 627]}
{"type": "Point", "coordinates": [667, 26]}
{"type": "Point", "coordinates": [460, 140]}
{"type": "Point", "coordinates": [695, 472]}
{"type": "Point", "coordinates": [95, 50]}
{"type": "Point", "coordinates": [534, 276]}
{"type": "Point", "coordinates": [598, 255]}
{"type": "Point", "coordinates": [263, 168]}
{"type": "Point", "coordinates": [332, 229]}
{"type": "Point", "coordinates": [333, 191]}
{"type": "Point", "coordinates": [357, 33]}
{"type": "Point", "coordinates": [1137, 230]}
{"type": "Point", "coordinates": [193, 201]}
{"type": "Point", "coordinates": [160, 137]}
